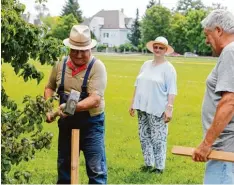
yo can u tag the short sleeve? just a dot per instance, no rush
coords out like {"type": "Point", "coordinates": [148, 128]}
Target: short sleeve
{"type": "Point", "coordinates": [171, 81]}
{"type": "Point", "coordinates": [98, 81]}
{"type": "Point", "coordinates": [52, 79]}
{"type": "Point", "coordinates": [225, 72]}
{"type": "Point", "coordinates": [141, 70]}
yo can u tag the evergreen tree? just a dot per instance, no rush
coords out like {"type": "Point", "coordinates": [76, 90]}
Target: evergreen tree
{"type": "Point", "coordinates": [135, 34]}
{"type": "Point", "coordinates": [151, 3]}
{"type": "Point", "coordinates": [73, 7]}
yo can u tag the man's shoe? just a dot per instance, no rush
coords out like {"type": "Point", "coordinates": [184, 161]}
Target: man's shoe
{"type": "Point", "coordinates": [158, 171]}
{"type": "Point", "coordinates": [146, 168]}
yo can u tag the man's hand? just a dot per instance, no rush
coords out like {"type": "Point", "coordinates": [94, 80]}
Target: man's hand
{"type": "Point", "coordinates": [168, 115]}
{"type": "Point", "coordinates": [60, 111]}
{"type": "Point", "coordinates": [49, 117]}
{"type": "Point", "coordinates": [131, 111]}
{"type": "Point", "coordinates": [201, 153]}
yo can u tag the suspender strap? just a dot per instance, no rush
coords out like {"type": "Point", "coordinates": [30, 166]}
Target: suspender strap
{"type": "Point", "coordinates": [61, 86]}
{"type": "Point", "coordinates": [84, 85]}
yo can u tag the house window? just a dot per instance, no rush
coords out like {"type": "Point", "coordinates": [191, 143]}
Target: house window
{"type": "Point", "coordinates": [106, 35]}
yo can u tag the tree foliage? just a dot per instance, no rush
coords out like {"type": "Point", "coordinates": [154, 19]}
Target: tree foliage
{"type": "Point", "coordinates": [156, 22]}
{"type": "Point", "coordinates": [183, 6]}
{"type": "Point", "coordinates": [21, 41]}
{"type": "Point", "coordinates": [73, 7]}
{"type": "Point", "coordinates": [151, 3]}
{"type": "Point", "coordinates": [42, 10]}
{"type": "Point", "coordinates": [135, 35]}
{"type": "Point", "coordinates": [194, 32]}
{"type": "Point", "coordinates": [62, 27]}
{"type": "Point", "coordinates": [178, 33]}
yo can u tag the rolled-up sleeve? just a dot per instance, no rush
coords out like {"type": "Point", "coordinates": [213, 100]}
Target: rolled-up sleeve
{"type": "Point", "coordinates": [98, 81]}
{"type": "Point", "coordinates": [52, 79]}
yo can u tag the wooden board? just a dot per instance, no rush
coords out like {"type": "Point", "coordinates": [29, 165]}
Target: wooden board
{"type": "Point", "coordinates": [216, 155]}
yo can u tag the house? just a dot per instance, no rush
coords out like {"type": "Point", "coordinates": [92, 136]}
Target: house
{"type": "Point", "coordinates": [110, 27]}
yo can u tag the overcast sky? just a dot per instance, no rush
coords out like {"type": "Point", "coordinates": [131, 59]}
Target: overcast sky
{"type": "Point", "coordinates": [91, 7]}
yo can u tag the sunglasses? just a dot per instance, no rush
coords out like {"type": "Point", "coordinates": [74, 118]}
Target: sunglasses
{"type": "Point", "coordinates": [159, 47]}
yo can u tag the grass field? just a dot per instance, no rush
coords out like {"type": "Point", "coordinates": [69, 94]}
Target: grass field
{"type": "Point", "coordinates": [124, 155]}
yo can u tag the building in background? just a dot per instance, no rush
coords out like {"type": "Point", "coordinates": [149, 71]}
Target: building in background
{"type": "Point", "coordinates": [110, 27]}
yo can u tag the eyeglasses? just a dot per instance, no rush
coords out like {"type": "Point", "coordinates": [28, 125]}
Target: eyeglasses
{"type": "Point", "coordinates": [159, 47]}
{"type": "Point", "coordinates": [76, 52]}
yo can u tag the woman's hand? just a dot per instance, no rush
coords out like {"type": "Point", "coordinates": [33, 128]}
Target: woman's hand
{"type": "Point", "coordinates": [168, 114]}
{"type": "Point", "coordinates": [131, 111]}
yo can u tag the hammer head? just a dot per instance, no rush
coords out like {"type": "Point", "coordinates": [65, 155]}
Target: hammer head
{"type": "Point", "coordinates": [73, 99]}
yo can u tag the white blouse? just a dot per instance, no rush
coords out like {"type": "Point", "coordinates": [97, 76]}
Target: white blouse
{"type": "Point", "coordinates": [153, 85]}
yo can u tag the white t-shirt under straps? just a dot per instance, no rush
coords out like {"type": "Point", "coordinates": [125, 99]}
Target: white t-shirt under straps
{"type": "Point", "coordinates": [153, 85]}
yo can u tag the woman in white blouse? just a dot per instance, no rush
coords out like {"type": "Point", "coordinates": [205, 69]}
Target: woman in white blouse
{"type": "Point", "coordinates": [155, 90]}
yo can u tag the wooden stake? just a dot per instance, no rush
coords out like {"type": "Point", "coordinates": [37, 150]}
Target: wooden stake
{"type": "Point", "coordinates": [216, 155]}
{"type": "Point", "coordinates": [75, 156]}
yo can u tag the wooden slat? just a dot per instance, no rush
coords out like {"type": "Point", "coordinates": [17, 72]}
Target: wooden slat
{"type": "Point", "coordinates": [216, 155]}
{"type": "Point", "coordinates": [75, 156]}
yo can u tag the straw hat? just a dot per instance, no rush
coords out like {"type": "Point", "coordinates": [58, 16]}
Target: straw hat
{"type": "Point", "coordinates": [80, 38]}
{"type": "Point", "coordinates": [160, 40]}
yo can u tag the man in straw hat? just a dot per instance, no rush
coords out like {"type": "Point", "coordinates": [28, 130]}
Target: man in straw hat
{"type": "Point", "coordinates": [153, 98]}
{"type": "Point", "coordinates": [218, 103]}
{"type": "Point", "coordinates": [84, 73]}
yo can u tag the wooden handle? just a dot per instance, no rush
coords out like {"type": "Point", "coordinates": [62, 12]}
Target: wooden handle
{"type": "Point", "coordinates": [216, 155]}
{"type": "Point", "coordinates": [75, 156]}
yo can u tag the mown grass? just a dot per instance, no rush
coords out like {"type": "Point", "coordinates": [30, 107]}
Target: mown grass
{"type": "Point", "coordinates": [124, 155]}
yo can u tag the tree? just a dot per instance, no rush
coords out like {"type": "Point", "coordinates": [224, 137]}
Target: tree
{"type": "Point", "coordinates": [151, 3]}
{"type": "Point", "coordinates": [195, 39]}
{"type": "Point", "coordinates": [42, 10]}
{"type": "Point", "coordinates": [50, 21]}
{"type": "Point", "coordinates": [156, 22]}
{"type": "Point", "coordinates": [62, 28]}
{"type": "Point", "coordinates": [217, 6]}
{"type": "Point", "coordinates": [73, 7]}
{"type": "Point", "coordinates": [21, 41]}
{"type": "Point", "coordinates": [135, 34]}
{"type": "Point", "coordinates": [183, 6]}
{"type": "Point", "coordinates": [178, 33]}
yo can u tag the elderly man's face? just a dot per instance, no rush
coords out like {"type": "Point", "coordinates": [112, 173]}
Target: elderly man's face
{"type": "Point", "coordinates": [80, 57]}
{"type": "Point", "coordinates": [213, 39]}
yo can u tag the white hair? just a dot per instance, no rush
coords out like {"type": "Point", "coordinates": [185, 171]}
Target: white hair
{"type": "Point", "coordinates": [221, 18]}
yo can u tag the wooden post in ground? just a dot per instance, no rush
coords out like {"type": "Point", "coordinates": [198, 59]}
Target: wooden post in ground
{"type": "Point", "coordinates": [75, 156]}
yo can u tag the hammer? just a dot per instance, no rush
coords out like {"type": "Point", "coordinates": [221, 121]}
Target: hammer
{"type": "Point", "coordinates": [70, 108]}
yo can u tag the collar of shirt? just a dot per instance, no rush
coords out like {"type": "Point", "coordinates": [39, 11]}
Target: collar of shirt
{"type": "Point", "coordinates": [76, 70]}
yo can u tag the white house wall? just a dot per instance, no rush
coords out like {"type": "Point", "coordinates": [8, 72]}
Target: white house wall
{"type": "Point", "coordinates": [116, 37]}
{"type": "Point", "coordinates": [95, 24]}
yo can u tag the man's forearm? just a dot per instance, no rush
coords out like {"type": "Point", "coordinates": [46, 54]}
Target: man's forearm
{"type": "Point", "coordinates": [224, 114]}
{"type": "Point", "coordinates": [48, 93]}
{"type": "Point", "coordinates": [90, 102]}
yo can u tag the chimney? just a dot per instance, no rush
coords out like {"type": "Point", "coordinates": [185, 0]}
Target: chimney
{"type": "Point", "coordinates": [122, 10]}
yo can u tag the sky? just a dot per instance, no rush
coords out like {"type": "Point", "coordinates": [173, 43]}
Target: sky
{"type": "Point", "coordinates": [91, 7]}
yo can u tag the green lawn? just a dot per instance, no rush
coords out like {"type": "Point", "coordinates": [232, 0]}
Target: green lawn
{"type": "Point", "coordinates": [124, 155]}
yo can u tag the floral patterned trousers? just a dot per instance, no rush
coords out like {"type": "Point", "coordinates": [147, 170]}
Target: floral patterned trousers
{"type": "Point", "coordinates": [153, 133]}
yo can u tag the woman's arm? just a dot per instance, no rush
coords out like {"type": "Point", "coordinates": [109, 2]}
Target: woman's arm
{"type": "Point", "coordinates": [131, 110]}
